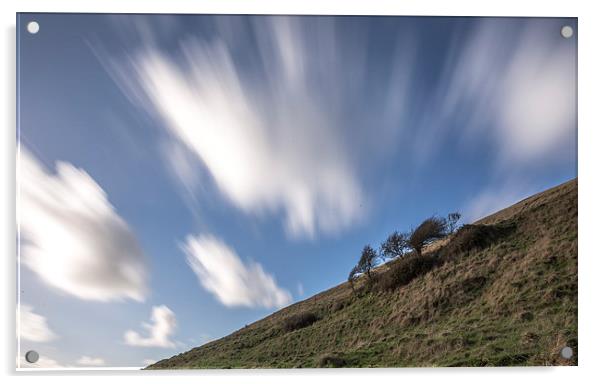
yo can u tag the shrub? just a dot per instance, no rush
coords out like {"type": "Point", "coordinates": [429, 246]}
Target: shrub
{"type": "Point", "coordinates": [429, 230]}
{"type": "Point", "coordinates": [299, 321]}
{"type": "Point", "coordinates": [338, 305]}
{"type": "Point", "coordinates": [330, 360]}
{"type": "Point", "coordinates": [403, 271]}
{"type": "Point", "coordinates": [476, 236]}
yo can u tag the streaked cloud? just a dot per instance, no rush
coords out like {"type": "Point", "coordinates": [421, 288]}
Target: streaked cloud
{"type": "Point", "coordinates": [233, 282]}
{"type": "Point", "coordinates": [269, 144]}
{"type": "Point", "coordinates": [32, 326]}
{"type": "Point", "coordinates": [90, 361]}
{"type": "Point", "coordinates": [279, 131]}
{"type": "Point", "coordinates": [162, 326]}
{"type": "Point", "coordinates": [510, 88]}
{"type": "Point", "coordinates": [513, 89]}
{"type": "Point", "coordinates": [538, 96]}
{"type": "Point", "coordinates": [72, 237]}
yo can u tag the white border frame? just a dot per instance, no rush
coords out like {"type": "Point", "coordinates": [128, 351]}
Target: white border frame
{"type": "Point", "coordinates": [590, 62]}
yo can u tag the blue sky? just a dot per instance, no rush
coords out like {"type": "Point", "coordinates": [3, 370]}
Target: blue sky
{"type": "Point", "coordinates": [196, 173]}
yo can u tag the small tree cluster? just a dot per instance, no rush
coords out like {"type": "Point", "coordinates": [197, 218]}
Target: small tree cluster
{"type": "Point", "coordinates": [398, 245]}
{"type": "Point", "coordinates": [431, 229]}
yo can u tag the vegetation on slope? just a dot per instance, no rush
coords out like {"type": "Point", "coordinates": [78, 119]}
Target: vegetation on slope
{"type": "Point", "coordinates": [500, 292]}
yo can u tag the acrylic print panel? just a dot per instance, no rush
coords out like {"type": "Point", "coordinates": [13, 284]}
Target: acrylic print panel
{"type": "Point", "coordinates": [204, 191]}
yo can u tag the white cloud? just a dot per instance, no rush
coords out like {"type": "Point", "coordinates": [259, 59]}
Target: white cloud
{"type": "Point", "coordinates": [32, 326]}
{"type": "Point", "coordinates": [72, 238]}
{"type": "Point", "coordinates": [163, 324]}
{"type": "Point", "coordinates": [90, 361]}
{"type": "Point", "coordinates": [285, 118]}
{"type": "Point", "coordinates": [538, 97]}
{"type": "Point", "coordinates": [515, 86]}
{"type": "Point", "coordinates": [232, 282]}
{"type": "Point", "coordinates": [300, 290]}
{"type": "Point", "coordinates": [147, 362]}
{"type": "Point", "coordinates": [268, 146]}
{"type": "Point", "coordinates": [516, 91]}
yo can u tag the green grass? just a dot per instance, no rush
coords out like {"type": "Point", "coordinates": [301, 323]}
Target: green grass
{"type": "Point", "coordinates": [511, 303]}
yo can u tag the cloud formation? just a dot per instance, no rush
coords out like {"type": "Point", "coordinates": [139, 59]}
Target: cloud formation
{"type": "Point", "coordinates": [516, 91]}
{"type": "Point", "coordinates": [162, 326]}
{"type": "Point", "coordinates": [269, 144]}
{"type": "Point", "coordinates": [90, 361]}
{"type": "Point", "coordinates": [32, 326]}
{"type": "Point", "coordinates": [234, 283]}
{"type": "Point", "coordinates": [71, 236]}
{"type": "Point", "coordinates": [303, 116]}
{"type": "Point", "coordinates": [515, 87]}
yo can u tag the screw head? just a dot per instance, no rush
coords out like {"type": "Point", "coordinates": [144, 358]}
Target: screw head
{"type": "Point", "coordinates": [566, 352]}
{"type": "Point", "coordinates": [32, 356]}
{"type": "Point", "coordinates": [33, 27]}
{"type": "Point", "coordinates": [566, 31]}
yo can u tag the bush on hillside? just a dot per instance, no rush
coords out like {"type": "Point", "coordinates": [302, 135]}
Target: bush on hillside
{"type": "Point", "coordinates": [298, 321]}
{"type": "Point", "coordinates": [338, 305]}
{"type": "Point", "coordinates": [403, 271]}
{"type": "Point", "coordinates": [476, 236]}
{"type": "Point", "coordinates": [330, 360]}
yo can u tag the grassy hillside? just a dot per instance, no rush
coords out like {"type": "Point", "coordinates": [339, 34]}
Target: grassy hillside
{"type": "Point", "coordinates": [503, 292]}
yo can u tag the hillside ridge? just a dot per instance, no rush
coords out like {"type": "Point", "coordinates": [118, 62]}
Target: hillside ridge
{"type": "Point", "coordinates": [503, 292]}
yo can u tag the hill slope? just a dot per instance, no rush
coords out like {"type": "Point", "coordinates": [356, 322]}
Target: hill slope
{"type": "Point", "coordinates": [503, 299]}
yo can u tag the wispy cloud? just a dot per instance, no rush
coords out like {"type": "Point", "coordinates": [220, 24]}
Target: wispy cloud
{"type": "Point", "coordinates": [513, 89]}
{"type": "Point", "coordinates": [90, 361]}
{"type": "Point", "coordinates": [73, 238]}
{"type": "Point", "coordinates": [234, 283]}
{"type": "Point", "coordinates": [538, 96]}
{"type": "Point", "coordinates": [300, 290]}
{"type": "Point", "coordinates": [277, 110]}
{"type": "Point", "coordinates": [162, 326]}
{"type": "Point", "coordinates": [32, 326]}
{"type": "Point", "coordinates": [270, 144]}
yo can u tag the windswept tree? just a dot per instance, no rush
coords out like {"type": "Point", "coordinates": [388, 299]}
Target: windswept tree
{"type": "Point", "coordinates": [367, 261]}
{"type": "Point", "coordinates": [452, 222]}
{"type": "Point", "coordinates": [396, 245]}
{"type": "Point", "coordinates": [431, 229]}
{"type": "Point", "coordinates": [353, 275]}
